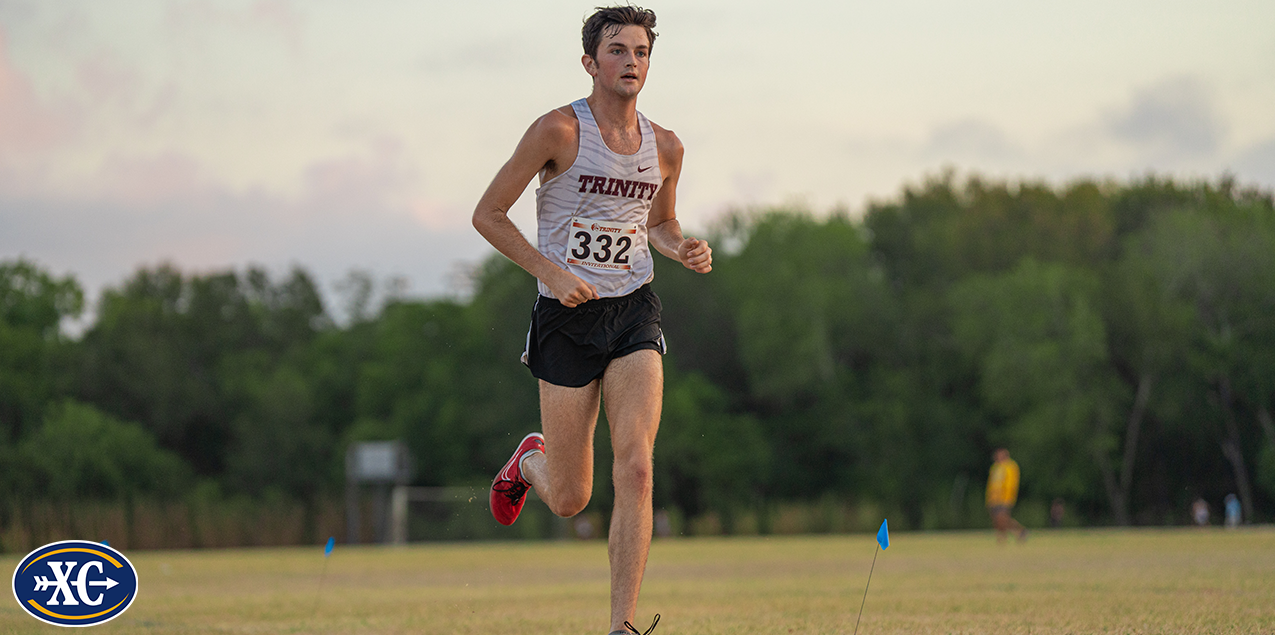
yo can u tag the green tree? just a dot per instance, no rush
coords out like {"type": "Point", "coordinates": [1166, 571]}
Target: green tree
{"type": "Point", "coordinates": [1219, 259]}
{"type": "Point", "coordinates": [445, 377]}
{"type": "Point", "coordinates": [1041, 345]}
{"type": "Point", "coordinates": [942, 232]}
{"type": "Point", "coordinates": [80, 452]}
{"type": "Point", "coordinates": [706, 457]}
{"type": "Point", "coordinates": [168, 350]}
{"type": "Point", "coordinates": [1148, 334]}
{"type": "Point", "coordinates": [33, 305]}
{"type": "Point", "coordinates": [276, 442]}
{"type": "Point", "coordinates": [807, 304]}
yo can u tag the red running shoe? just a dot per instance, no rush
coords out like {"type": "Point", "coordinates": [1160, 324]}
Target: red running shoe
{"type": "Point", "coordinates": [509, 489]}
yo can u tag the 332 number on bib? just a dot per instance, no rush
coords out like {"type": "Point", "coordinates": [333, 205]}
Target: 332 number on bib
{"type": "Point", "coordinates": [601, 244]}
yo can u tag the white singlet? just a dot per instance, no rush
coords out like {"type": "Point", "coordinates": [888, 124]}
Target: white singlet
{"type": "Point", "coordinates": [592, 218]}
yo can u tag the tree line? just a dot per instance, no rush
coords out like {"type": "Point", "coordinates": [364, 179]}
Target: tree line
{"type": "Point", "coordinates": [1116, 337]}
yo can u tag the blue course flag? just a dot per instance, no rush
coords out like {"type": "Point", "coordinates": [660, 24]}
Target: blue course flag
{"type": "Point", "coordinates": [327, 551]}
{"type": "Point", "coordinates": [883, 535]}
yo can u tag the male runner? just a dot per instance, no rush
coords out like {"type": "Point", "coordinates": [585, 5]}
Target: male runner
{"type": "Point", "coordinates": [608, 180]}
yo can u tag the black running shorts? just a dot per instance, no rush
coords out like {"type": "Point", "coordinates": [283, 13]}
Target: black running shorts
{"type": "Point", "coordinates": [573, 346]}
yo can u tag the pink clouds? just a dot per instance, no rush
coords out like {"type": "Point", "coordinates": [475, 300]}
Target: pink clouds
{"type": "Point", "coordinates": [378, 178]}
{"type": "Point", "coordinates": [146, 180]}
{"type": "Point", "coordinates": [104, 78]}
{"type": "Point", "coordinates": [380, 175]}
{"type": "Point", "coordinates": [384, 177]}
{"type": "Point", "coordinates": [352, 211]}
{"type": "Point", "coordinates": [26, 124]}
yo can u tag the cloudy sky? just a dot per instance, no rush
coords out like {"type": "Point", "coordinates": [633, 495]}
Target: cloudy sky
{"type": "Point", "coordinates": [343, 135]}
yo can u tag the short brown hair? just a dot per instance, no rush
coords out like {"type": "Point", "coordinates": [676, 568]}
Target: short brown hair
{"type": "Point", "coordinates": [609, 21]}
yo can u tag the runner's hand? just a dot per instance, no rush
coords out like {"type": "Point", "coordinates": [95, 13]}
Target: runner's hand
{"type": "Point", "coordinates": [571, 291]}
{"type": "Point", "coordinates": [696, 255]}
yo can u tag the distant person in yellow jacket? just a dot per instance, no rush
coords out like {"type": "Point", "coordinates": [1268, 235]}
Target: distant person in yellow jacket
{"type": "Point", "coordinates": [1002, 493]}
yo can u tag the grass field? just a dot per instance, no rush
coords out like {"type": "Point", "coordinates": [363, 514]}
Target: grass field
{"type": "Point", "coordinates": [1146, 581]}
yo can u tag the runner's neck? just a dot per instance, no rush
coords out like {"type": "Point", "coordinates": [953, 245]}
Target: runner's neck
{"type": "Point", "coordinates": [614, 114]}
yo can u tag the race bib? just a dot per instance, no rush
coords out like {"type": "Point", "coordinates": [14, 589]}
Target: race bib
{"type": "Point", "coordinates": [602, 244]}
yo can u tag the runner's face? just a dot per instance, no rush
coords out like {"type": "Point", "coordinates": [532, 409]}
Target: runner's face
{"type": "Point", "coordinates": [622, 62]}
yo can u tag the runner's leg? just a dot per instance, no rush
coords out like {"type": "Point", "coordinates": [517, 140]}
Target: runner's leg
{"type": "Point", "coordinates": [633, 389]}
{"type": "Point", "coordinates": [1001, 520]}
{"type": "Point", "coordinates": [563, 475]}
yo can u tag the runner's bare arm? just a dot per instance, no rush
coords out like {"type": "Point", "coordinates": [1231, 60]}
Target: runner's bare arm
{"type": "Point", "coordinates": [664, 231]}
{"type": "Point", "coordinates": [546, 143]}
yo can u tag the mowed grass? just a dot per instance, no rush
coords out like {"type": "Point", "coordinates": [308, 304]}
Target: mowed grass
{"type": "Point", "coordinates": [1101, 581]}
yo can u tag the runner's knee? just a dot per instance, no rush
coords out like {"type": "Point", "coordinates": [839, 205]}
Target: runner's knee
{"type": "Point", "coordinates": [632, 473]}
{"type": "Point", "coordinates": [570, 501]}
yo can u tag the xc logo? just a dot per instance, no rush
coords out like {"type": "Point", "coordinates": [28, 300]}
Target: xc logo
{"type": "Point", "coordinates": [75, 583]}
{"type": "Point", "coordinates": [81, 583]}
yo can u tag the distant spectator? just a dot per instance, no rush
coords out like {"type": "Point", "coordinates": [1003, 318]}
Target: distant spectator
{"type": "Point", "coordinates": [663, 526]}
{"type": "Point", "coordinates": [1232, 507]}
{"type": "Point", "coordinates": [1200, 512]}
{"type": "Point", "coordinates": [584, 527]}
{"type": "Point", "coordinates": [1002, 493]}
{"type": "Point", "coordinates": [1056, 512]}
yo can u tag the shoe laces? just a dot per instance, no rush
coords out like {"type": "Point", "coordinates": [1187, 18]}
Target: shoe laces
{"type": "Point", "coordinates": [513, 490]}
{"type": "Point", "coordinates": [634, 630]}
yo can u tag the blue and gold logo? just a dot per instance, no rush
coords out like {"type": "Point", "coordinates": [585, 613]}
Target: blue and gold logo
{"type": "Point", "coordinates": [75, 583]}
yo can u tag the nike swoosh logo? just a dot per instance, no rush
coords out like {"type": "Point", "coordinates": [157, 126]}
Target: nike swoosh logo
{"type": "Point", "coordinates": [643, 169]}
